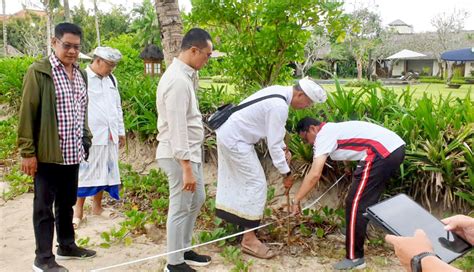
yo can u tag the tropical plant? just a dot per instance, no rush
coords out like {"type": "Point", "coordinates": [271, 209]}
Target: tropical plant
{"type": "Point", "coordinates": [260, 39]}
{"type": "Point", "coordinates": [8, 138]}
{"type": "Point", "coordinates": [12, 71]}
{"type": "Point", "coordinates": [439, 136]}
{"type": "Point", "coordinates": [146, 25]}
{"type": "Point", "coordinates": [233, 255]}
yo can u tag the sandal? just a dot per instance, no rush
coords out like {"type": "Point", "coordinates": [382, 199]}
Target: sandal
{"type": "Point", "coordinates": [263, 252]}
{"type": "Point", "coordinates": [108, 214]}
{"type": "Point", "coordinates": [77, 222]}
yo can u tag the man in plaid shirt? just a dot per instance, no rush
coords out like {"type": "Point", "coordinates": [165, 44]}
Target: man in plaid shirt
{"type": "Point", "coordinates": [53, 139]}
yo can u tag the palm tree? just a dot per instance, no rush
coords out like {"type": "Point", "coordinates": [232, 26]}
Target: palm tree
{"type": "Point", "coordinates": [96, 17]}
{"type": "Point", "coordinates": [171, 27]}
{"type": "Point", "coordinates": [146, 25]}
{"type": "Point", "coordinates": [4, 28]}
{"type": "Point", "coordinates": [67, 12]}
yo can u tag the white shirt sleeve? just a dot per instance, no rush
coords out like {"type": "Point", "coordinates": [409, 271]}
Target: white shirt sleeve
{"type": "Point", "coordinates": [275, 129]}
{"type": "Point", "coordinates": [177, 99]}
{"type": "Point", "coordinates": [325, 143]}
{"type": "Point", "coordinates": [118, 103]}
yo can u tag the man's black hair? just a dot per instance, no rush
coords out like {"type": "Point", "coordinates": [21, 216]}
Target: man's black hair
{"type": "Point", "coordinates": [64, 28]}
{"type": "Point", "coordinates": [304, 124]}
{"type": "Point", "coordinates": [195, 37]}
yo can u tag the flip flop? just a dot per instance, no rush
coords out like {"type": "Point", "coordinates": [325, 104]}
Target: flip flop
{"type": "Point", "coordinates": [263, 252]}
{"type": "Point", "coordinates": [77, 222]}
{"type": "Point", "coordinates": [108, 214]}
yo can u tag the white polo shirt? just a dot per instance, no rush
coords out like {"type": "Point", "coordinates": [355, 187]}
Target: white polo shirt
{"type": "Point", "coordinates": [355, 141]}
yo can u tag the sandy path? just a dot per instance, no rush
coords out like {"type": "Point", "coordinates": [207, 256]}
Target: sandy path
{"type": "Point", "coordinates": [17, 247]}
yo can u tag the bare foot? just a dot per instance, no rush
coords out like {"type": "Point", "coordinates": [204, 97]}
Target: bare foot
{"type": "Point", "coordinates": [97, 211]}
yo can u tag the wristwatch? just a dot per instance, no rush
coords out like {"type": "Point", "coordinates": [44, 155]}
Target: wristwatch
{"type": "Point", "coordinates": [416, 261]}
{"type": "Point", "coordinates": [286, 175]}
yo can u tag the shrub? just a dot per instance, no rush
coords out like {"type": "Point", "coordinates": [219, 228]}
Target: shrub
{"type": "Point", "coordinates": [8, 138]}
{"type": "Point", "coordinates": [131, 64]}
{"type": "Point", "coordinates": [317, 70]}
{"type": "Point", "coordinates": [213, 68]}
{"type": "Point", "coordinates": [426, 71]}
{"type": "Point", "coordinates": [458, 73]}
{"type": "Point", "coordinates": [346, 68]}
{"type": "Point", "coordinates": [138, 93]}
{"type": "Point", "coordinates": [363, 83]}
{"type": "Point", "coordinates": [213, 97]}
{"type": "Point", "coordinates": [12, 71]}
{"type": "Point", "coordinates": [221, 79]}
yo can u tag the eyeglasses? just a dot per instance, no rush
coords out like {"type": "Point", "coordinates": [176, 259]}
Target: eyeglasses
{"type": "Point", "coordinates": [109, 63]}
{"type": "Point", "coordinates": [201, 51]}
{"type": "Point", "coordinates": [67, 46]}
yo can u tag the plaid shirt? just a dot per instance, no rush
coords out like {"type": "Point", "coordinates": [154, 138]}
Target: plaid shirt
{"type": "Point", "coordinates": [71, 104]}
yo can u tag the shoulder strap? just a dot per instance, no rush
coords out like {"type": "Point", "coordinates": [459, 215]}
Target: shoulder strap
{"type": "Point", "coordinates": [113, 80]}
{"type": "Point", "coordinates": [246, 104]}
{"type": "Point", "coordinates": [84, 76]}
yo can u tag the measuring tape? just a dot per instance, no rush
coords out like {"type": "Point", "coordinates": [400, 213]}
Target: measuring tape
{"type": "Point", "coordinates": [216, 240]}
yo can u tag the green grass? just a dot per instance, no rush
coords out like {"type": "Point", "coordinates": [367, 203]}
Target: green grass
{"type": "Point", "coordinates": [206, 83]}
{"type": "Point", "coordinates": [419, 89]}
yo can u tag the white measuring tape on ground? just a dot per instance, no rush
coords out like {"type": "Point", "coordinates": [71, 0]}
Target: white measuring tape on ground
{"type": "Point", "coordinates": [219, 239]}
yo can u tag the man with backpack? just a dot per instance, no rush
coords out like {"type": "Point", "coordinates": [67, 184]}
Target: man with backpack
{"type": "Point", "coordinates": [241, 182]}
{"type": "Point", "coordinates": [101, 171]}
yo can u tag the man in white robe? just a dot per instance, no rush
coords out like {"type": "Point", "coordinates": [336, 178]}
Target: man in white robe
{"type": "Point", "coordinates": [241, 182]}
{"type": "Point", "coordinates": [101, 171]}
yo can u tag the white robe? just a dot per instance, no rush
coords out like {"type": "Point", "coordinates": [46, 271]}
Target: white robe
{"type": "Point", "coordinates": [105, 120]}
{"type": "Point", "coordinates": [241, 186]}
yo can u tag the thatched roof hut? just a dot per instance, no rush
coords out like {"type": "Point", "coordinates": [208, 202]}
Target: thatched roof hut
{"type": "Point", "coordinates": [153, 59]}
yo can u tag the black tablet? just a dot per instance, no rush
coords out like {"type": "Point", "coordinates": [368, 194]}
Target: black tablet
{"type": "Point", "coordinates": [400, 215]}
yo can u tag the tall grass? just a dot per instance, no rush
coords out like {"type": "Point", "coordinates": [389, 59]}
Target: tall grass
{"type": "Point", "coordinates": [439, 133]}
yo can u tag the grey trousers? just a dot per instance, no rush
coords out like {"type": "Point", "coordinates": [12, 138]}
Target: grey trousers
{"type": "Point", "coordinates": [183, 208]}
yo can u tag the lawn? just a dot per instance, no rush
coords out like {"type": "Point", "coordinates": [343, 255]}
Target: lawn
{"type": "Point", "coordinates": [419, 89]}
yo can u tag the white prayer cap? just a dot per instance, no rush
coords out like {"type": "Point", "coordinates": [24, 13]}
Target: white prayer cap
{"type": "Point", "coordinates": [108, 53]}
{"type": "Point", "coordinates": [313, 90]}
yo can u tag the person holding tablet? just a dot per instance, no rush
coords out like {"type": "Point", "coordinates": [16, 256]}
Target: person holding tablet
{"type": "Point", "coordinates": [416, 253]}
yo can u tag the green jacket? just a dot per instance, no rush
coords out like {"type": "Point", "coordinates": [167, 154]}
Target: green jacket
{"type": "Point", "coordinates": [38, 125]}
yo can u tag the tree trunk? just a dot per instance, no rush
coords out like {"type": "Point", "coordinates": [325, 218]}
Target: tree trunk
{"type": "Point", "coordinates": [5, 43]}
{"type": "Point", "coordinates": [440, 73]}
{"type": "Point", "coordinates": [67, 12]}
{"type": "Point", "coordinates": [359, 69]}
{"type": "Point", "coordinates": [450, 71]}
{"type": "Point", "coordinates": [48, 30]}
{"type": "Point", "coordinates": [96, 17]}
{"type": "Point", "coordinates": [171, 28]}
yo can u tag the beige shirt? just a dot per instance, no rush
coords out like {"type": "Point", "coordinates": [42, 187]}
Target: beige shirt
{"type": "Point", "coordinates": [180, 128]}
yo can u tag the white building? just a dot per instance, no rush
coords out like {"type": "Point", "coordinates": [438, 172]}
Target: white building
{"type": "Point", "coordinates": [400, 27]}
